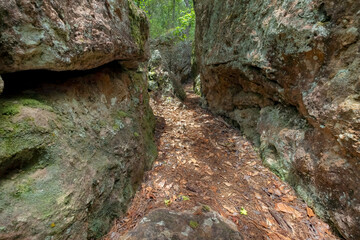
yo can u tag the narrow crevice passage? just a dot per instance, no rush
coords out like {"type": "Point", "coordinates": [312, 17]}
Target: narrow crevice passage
{"type": "Point", "coordinates": [204, 162]}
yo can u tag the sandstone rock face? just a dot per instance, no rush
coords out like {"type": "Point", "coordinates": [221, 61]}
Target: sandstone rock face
{"type": "Point", "coordinates": [287, 72]}
{"type": "Point", "coordinates": [73, 145]}
{"type": "Point", "coordinates": [81, 34]}
{"type": "Point", "coordinates": [163, 224]}
{"type": "Point", "coordinates": [72, 151]}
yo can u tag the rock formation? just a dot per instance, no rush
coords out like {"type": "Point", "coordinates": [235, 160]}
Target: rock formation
{"type": "Point", "coordinates": [58, 35]}
{"type": "Point", "coordinates": [161, 79]}
{"type": "Point", "coordinates": [176, 55]}
{"type": "Point", "coordinates": [287, 72]}
{"type": "Point", "coordinates": [73, 145]}
{"type": "Point", "coordinates": [165, 224]}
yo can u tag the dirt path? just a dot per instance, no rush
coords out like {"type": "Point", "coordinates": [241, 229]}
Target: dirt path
{"type": "Point", "coordinates": [204, 160]}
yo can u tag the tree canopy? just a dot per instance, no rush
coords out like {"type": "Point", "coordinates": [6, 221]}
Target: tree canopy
{"type": "Point", "coordinates": [170, 17]}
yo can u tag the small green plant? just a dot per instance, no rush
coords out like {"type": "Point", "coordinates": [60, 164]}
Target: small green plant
{"type": "Point", "coordinates": [206, 208]}
{"type": "Point", "coordinates": [193, 224]}
{"type": "Point", "coordinates": [10, 110]}
{"type": "Point", "coordinates": [184, 198]}
{"type": "Point", "coordinates": [167, 202]}
{"type": "Point", "coordinates": [243, 211]}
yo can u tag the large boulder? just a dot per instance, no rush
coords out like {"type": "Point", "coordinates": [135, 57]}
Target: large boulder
{"type": "Point", "coordinates": [161, 79]}
{"type": "Point", "coordinates": [162, 224]}
{"type": "Point", "coordinates": [72, 151]}
{"type": "Point", "coordinates": [73, 145]}
{"type": "Point", "coordinates": [288, 73]}
{"type": "Point", "coordinates": [176, 56]}
{"type": "Point", "coordinates": [76, 35]}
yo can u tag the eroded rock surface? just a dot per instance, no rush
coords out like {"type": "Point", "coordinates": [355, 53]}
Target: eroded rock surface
{"type": "Point", "coordinates": [58, 35]}
{"type": "Point", "coordinates": [287, 72]}
{"type": "Point", "coordinates": [73, 145]}
{"type": "Point", "coordinates": [161, 79]}
{"type": "Point", "coordinates": [72, 152]}
{"type": "Point", "coordinates": [176, 56]}
{"type": "Point", "coordinates": [164, 224]}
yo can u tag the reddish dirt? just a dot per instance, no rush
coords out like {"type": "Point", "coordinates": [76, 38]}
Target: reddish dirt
{"type": "Point", "coordinates": [203, 158]}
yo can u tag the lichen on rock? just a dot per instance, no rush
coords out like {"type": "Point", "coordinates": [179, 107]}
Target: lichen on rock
{"type": "Point", "coordinates": [74, 145]}
{"type": "Point", "coordinates": [73, 36]}
{"type": "Point", "coordinates": [287, 73]}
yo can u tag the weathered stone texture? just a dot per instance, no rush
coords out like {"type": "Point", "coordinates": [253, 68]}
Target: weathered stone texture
{"type": "Point", "coordinates": [163, 224]}
{"type": "Point", "coordinates": [176, 56]}
{"type": "Point", "coordinates": [70, 35]}
{"type": "Point", "coordinates": [73, 145]}
{"type": "Point", "coordinates": [72, 152]}
{"type": "Point", "coordinates": [288, 73]}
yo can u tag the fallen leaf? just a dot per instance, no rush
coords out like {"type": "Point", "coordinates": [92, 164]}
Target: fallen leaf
{"type": "Point", "coordinates": [282, 207]}
{"type": "Point", "coordinates": [275, 192]}
{"type": "Point", "coordinates": [277, 236]}
{"type": "Point", "coordinates": [229, 209]}
{"type": "Point", "coordinates": [198, 212]}
{"type": "Point", "coordinates": [288, 198]}
{"type": "Point", "coordinates": [229, 163]}
{"type": "Point", "coordinates": [213, 188]}
{"type": "Point", "coordinates": [257, 195]}
{"type": "Point", "coordinates": [227, 184]}
{"type": "Point", "coordinates": [310, 212]}
{"type": "Point", "coordinates": [161, 184]}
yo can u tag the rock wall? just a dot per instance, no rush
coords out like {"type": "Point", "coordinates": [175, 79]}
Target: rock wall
{"type": "Point", "coordinates": [73, 145]}
{"type": "Point", "coordinates": [71, 35]}
{"type": "Point", "coordinates": [287, 72]}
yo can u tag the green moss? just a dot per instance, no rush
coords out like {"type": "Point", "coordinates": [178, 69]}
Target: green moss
{"type": "Point", "coordinates": [23, 188]}
{"type": "Point", "coordinates": [97, 228]}
{"type": "Point", "coordinates": [193, 224]}
{"type": "Point", "coordinates": [206, 208]}
{"type": "Point", "coordinates": [35, 104]}
{"type": "Point", "coordinates": [139, 26]}
{"type": "Point", "coordinates": [122, 114]}
{"type": "Point", "coordinates": [9, 109]}
{"type": "Point", "coordinates": [118, 125]}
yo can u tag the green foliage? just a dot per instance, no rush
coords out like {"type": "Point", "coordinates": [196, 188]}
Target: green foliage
{"type": "Point", "coordinates": [183, 31]}
{"type": "Point", "coordinates": [193, 224]}
{"type": "Point", "coordinates": [243, 211]}
{"type": "Point", "coordinates": [184, 198]}
{"type": "Point", "coordinates": [206, 208]}
{"type": "Point", "coordinates": [167, 202]}
{"type": "Point", "coordinates": [22, 188]}
{"type": "Point", "coordinates": [170, 17]}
